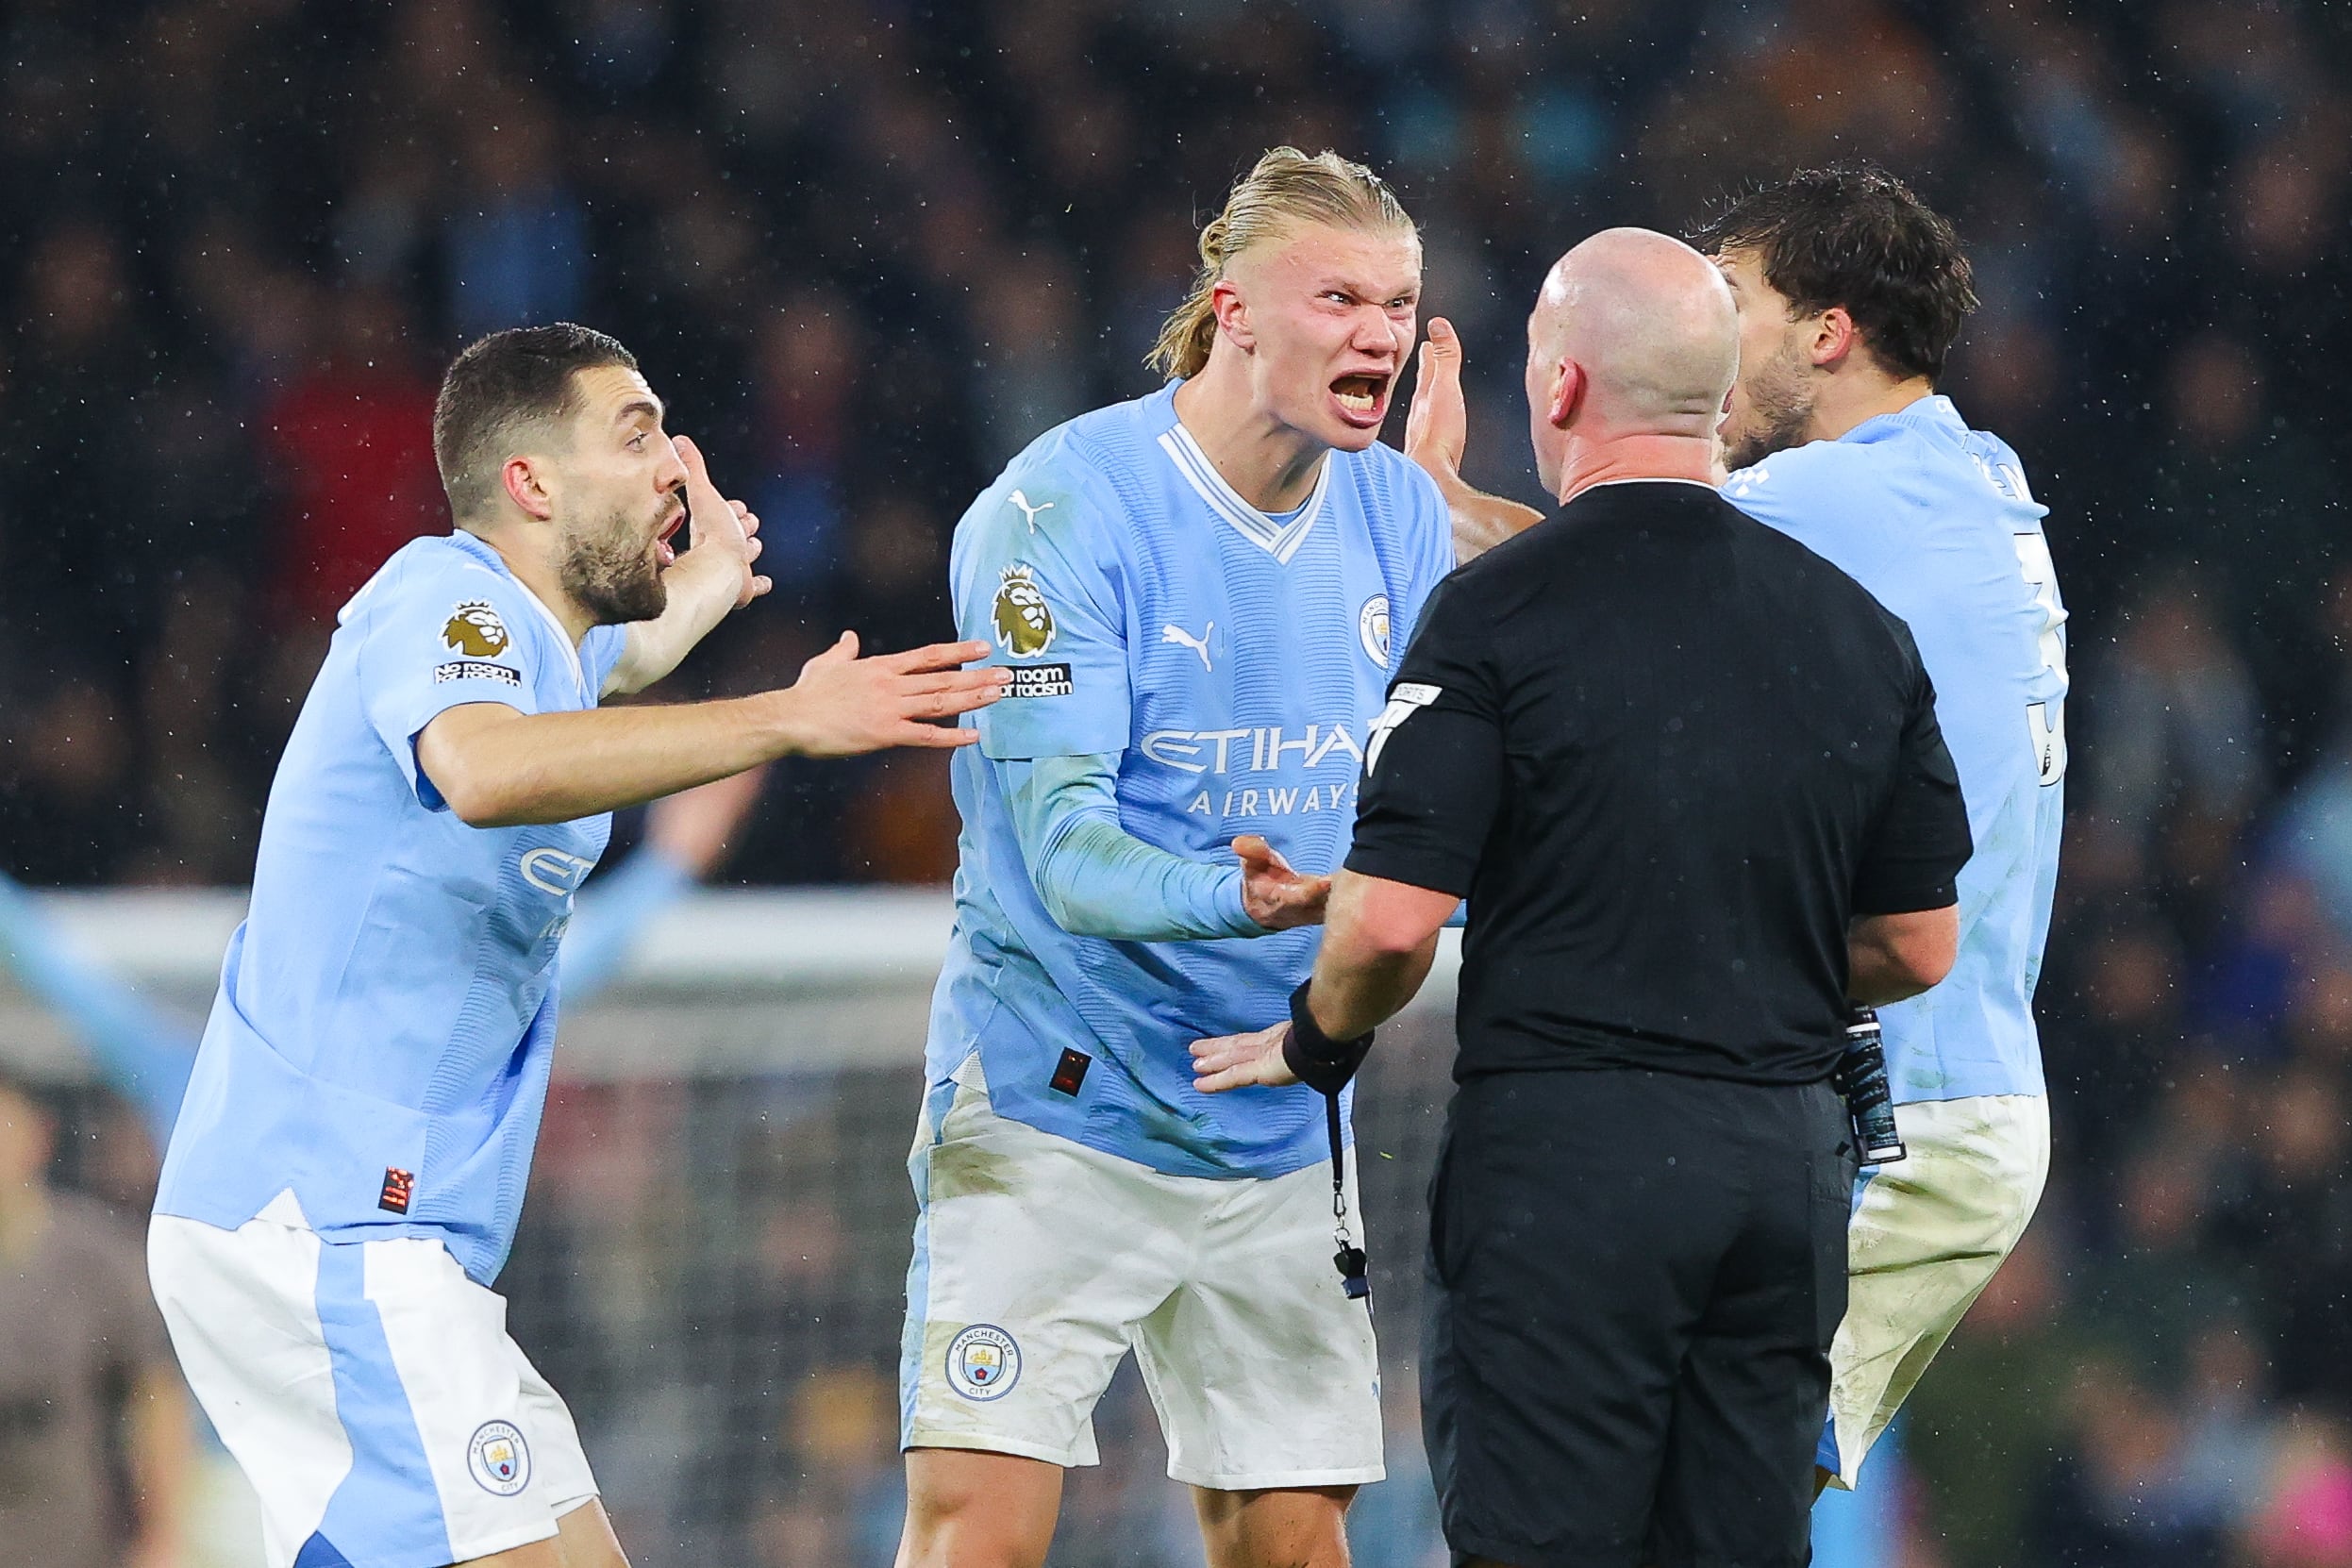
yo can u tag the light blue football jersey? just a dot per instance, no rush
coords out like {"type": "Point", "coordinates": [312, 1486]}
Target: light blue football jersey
{"type": "Point", "coordinates": [1936, 520]}
{"type": "Point", "coordinates": [381, 1041]}
{"type": "Point", "coordinates": [1233, 661]}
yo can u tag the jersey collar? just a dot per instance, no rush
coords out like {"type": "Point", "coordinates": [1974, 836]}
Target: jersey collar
{"type": "Point", "coordinates": [1279, 538]}
{"type": "Point", "coordinates": [1930, 412]}
{"type": "Point", "coordinates": [497, 563]}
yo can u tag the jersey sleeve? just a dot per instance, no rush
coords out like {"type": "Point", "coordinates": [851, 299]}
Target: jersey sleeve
{"type": "Point", "coordinates": [1036, 571]}
{"type": "Point", "coordinates": [1096, 879]}
{"type": "Point", "coordinates": [1913, 859]}
{"type": "Point", "coordinates": [437, 640]}
{"type": "Point", "coordinates": [1434, 762]}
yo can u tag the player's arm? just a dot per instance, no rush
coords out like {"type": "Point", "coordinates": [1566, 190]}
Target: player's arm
{"type": "Point", "coordinates": [497, 767]}
{"type": "Point", "coordinates": [1433, 787]}
{"type": "Point", "coordinates": [1096, 879]}
{"type": "Point", "coordinates": [1905, 934]}
{"type": "Point", "coordinates": [1436, 427]}
{"type": "Point", "coordinates": [712, 578]}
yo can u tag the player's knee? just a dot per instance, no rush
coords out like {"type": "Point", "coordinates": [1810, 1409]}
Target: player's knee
{"type": "Point", "coordinates": [977, 1535]}
{"type": "Point", "coordinates": [1305, 1526]}
{"type": "Point", "coordinates": [977, 1510]}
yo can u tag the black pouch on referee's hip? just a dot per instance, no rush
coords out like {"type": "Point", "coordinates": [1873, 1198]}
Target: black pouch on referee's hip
{"type": "Point", "coordinates": [1326, 1065]}
{"type": "Point", "coordinates": [1862, 1077]}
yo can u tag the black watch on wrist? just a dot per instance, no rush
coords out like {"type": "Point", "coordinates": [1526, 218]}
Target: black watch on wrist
{"type": "Point", "coordinates": [1314, 1057]}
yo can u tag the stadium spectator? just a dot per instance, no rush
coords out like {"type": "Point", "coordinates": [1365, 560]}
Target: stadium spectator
{"type": "Point", "coordinates": [351, 443]}
{"type": "Point", "coordinates": [805, 407]}
{"type": "Point", "coordinates": [95, 1436]}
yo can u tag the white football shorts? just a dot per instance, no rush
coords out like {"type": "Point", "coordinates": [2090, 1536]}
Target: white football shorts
{"type": "Point", "coordinates": [369, 1391]}
{"type": "Point", "coordinates": [1038, 1263]}
{"type": "Point", "coordinates": [1928, 1234]}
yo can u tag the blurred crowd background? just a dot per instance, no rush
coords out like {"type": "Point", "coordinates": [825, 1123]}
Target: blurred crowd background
{"type": "Point", "coordinates": [868, 250]}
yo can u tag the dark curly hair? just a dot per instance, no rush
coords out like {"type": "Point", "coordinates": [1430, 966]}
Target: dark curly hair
{"type": "Point", "coordinates": [1855, 236]}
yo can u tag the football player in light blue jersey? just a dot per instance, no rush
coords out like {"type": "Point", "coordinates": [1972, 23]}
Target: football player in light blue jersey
{"type": "Point", "coordinates": [344, 1176]}
{"type": "Point", "coordinates": [1850, 292]}
{"type": "Point", "coordinates": [1199, 596]}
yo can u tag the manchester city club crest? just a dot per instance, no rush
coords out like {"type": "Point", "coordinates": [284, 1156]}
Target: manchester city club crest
{"type": "Point", "coordinates": [1024, 620]}
{"type": "Point", "coordinates": [1372, 627]}
{"type": "Point", "coordinates": [983, 1363]}
{"type": "Point", "coordinates": [498, 1458]}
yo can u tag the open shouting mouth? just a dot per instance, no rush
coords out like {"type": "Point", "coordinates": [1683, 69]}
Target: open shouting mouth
{"type": "Point", "coordinates": [663, 550]}
{"type": "Point", "coordinates": [1362, 398]}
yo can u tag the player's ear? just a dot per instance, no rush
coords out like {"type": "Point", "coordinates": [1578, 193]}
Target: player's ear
{"type": "Point", "coordinates": [527, 487]}
{"type": "Point", "coordinates": [1834, 336]}
{"type": "Point", "coordinates": [1232, 312]}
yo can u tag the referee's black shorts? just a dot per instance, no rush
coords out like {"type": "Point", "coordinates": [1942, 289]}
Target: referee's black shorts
{"type": "Point", "coordinates": [1636, 1277]}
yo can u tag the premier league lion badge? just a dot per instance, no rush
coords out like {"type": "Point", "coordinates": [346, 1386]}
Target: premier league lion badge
{"type": "Point", "coordinates": [475, 630]}
{"type": "Point", "coordinates": [498, 1458]}
{"type": "Point", "coordinates": [1024, 619]}
{"type": "Point", "coordinates": [983, 1363]}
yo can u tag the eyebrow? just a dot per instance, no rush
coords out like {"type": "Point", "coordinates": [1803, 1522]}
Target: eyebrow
{"type": "Point", "coordinates": [649, 407]}
{"type": "Point", "coordinates": [1361, 292]}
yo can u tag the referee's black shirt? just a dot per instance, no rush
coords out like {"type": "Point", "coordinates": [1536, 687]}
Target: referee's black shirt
{"type": "Point", "coordinates": [1666, 753]}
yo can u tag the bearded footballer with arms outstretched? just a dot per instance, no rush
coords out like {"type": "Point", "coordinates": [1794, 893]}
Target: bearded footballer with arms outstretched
{"type": "Point", "coordinates": [1199, 596]}
{"type": "Point", "coordinates": [344, 1177]}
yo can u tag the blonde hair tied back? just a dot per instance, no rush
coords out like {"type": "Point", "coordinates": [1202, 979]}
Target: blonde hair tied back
{"type": "Point", "coordinates": [1285, 188]}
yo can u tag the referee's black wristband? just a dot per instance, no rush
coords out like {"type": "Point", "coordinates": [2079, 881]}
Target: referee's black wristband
{"type": "Point", "coordinates": [1314, 1057]}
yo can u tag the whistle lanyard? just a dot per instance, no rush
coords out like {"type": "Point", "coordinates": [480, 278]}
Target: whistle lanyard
{"type": "Point", "coordinates": [1350, 1259]}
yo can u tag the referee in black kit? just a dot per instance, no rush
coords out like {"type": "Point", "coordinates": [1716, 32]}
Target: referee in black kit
{"type": "Point", "coordinates": [1689, 776]}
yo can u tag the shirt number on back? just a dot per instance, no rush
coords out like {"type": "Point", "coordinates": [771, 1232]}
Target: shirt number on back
{"type": "Point", "coordinates": [2045, 721]}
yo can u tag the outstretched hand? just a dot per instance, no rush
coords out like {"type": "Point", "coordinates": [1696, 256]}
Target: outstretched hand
{"type": "Point", "coordinates": [1437, 426]}
{"type": "Point", "coordinates": [1273, 895]}
{"type": "Point", "coordinates": [727, 527]}
{"type": "Point", "coordinates": [1240, 1060]}
{"type": "Point", "coordinates": [844, 705]}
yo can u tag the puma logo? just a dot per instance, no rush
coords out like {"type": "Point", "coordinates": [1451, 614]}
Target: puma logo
{"type": "Point", "coordinates": [1027, 511]}
{"type": "Point", "coordinates": [1198, 645]}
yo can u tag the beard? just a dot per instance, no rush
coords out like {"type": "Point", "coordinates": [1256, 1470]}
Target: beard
{"type": "Point", "coordinates": [1779, 410]}
{"type": "Point", "coordinates": [609, 570]}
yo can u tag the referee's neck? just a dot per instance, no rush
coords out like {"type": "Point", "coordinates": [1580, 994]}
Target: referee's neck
{"type": "Point", "coordinates": [1646, 456]}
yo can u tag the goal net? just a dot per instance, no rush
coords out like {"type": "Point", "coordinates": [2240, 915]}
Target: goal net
{"type": "Point", "coordinates": [712, 1263]}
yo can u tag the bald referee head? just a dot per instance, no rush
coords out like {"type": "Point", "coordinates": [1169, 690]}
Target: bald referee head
{"type": "Point", "coordinates": [1631, 351]}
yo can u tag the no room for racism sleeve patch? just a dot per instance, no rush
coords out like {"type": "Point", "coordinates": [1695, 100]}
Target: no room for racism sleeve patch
{"type": "Point", "coordinates": [1040, 680]}
{"type": "Point", "coordinates": [474, 669]}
